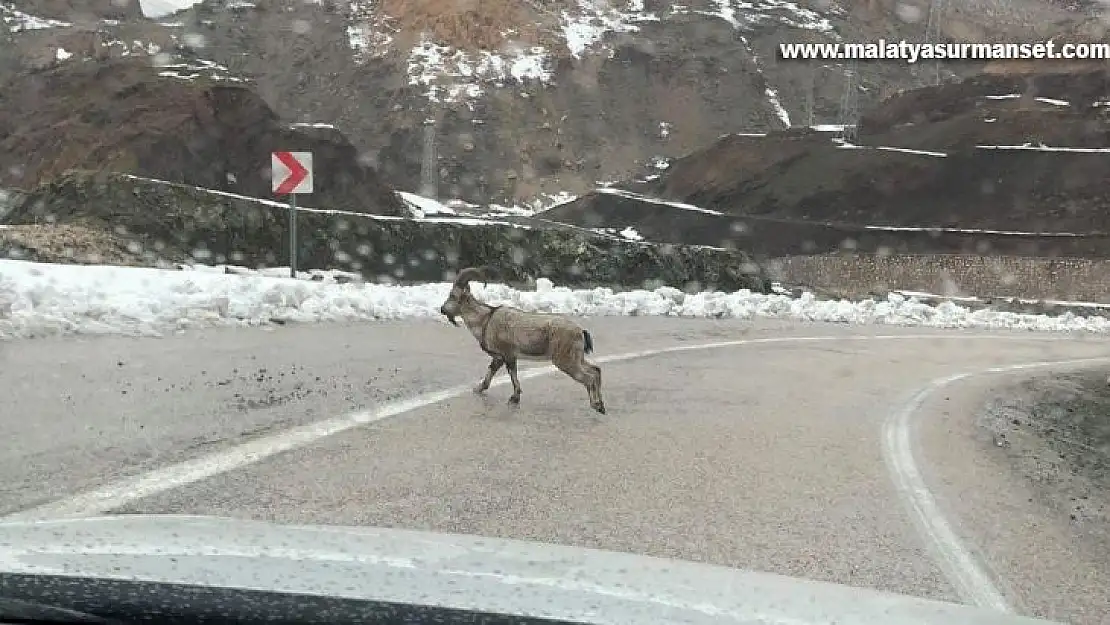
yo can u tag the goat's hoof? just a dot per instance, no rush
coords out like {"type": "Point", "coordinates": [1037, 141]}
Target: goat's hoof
{"type": "Point", "coordinates": [478, 390]}
{"type": "Point", "coordinates": [514, 400]}
{"type": "Point", "coordinates": [600, 408]}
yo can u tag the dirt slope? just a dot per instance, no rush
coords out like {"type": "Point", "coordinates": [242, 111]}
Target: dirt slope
{"type": "Point", "coordinates": [942, 172]}
{"type": "Point", "coordinates": [191, 123]}
{"type": "Point", "coordinates": [929, 158]}
{"type": "Point", "coordinates": [82, 244]}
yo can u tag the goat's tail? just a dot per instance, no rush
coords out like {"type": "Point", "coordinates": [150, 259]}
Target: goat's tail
{"type": "Point", "coordinates": [589, 341]}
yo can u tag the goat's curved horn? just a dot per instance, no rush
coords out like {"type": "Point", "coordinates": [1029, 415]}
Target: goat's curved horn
{"type": "Point", "coordinates": [468, 274]}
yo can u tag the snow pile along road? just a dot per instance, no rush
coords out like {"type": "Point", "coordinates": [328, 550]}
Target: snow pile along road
{"type": "Point", "coordinates": [39, 299]}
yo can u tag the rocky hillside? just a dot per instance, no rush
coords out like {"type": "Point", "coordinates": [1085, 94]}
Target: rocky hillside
{"type": "Point", "coordinates": [187, 122]}
{"type": "Point", "coordinates": [166, 223]}
{"type": "Point", "coordinates": [528, 98]}
{"type": "Point", "coordinates": [1014, 154]}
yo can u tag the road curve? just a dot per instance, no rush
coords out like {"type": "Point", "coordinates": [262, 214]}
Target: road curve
{"type": "Point", "coordinates": [830, 452]}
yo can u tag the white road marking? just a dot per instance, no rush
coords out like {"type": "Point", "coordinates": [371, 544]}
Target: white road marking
{"type": "Point", "coordinates": [951, 555]}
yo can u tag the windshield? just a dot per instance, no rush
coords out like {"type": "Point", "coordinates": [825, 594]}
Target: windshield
{"type": "Point", "coordinates": [811, 287]}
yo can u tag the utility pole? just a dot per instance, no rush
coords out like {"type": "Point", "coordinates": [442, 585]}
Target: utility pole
{"type": "Point", "coordinates": [429, 159]}
{"type": "Point", "coordinates": [429, 162]}
{"type": "Point", "coordinates": [809, 113]}
{"type": "Point", "coordinates": [849, 103]}
{"type": "Point", "coordinates": [933, 30]}
{"type": "Point", "coordinates": [9, 57]}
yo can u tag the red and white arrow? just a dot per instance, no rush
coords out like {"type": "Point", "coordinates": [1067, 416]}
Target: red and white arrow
{"type": "Point", "coordinates": [291, 172]}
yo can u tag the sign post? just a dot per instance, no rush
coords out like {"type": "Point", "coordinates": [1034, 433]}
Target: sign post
{"type": "Point", "coordinates": [291, 174]}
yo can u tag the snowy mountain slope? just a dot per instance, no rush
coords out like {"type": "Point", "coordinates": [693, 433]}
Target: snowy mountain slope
{"type": "Point", "coordinates": [529, 97]}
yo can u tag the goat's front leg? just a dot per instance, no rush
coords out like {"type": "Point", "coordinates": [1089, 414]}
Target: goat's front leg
{"type": "Point", "coordinates": [511, 366]}
{"type": "Point", "coordinates": [494, 366]}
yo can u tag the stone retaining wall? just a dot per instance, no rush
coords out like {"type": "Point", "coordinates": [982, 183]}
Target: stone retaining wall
{"type": "Point", "coordinates": [1069, 279]}
{"type": "Point", "coordinates": [220, 228]}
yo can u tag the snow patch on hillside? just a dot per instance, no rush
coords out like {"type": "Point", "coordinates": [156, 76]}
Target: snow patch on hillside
{"type": "Point", "coordinates": [452, 75]}
{"type": "Point", "coordinates": [18, 21]}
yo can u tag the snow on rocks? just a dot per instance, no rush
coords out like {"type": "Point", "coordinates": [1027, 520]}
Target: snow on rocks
{"type": "Point", "coordinates": [18, 21]}
{"type": "Point", "coordinates": [38, 299]}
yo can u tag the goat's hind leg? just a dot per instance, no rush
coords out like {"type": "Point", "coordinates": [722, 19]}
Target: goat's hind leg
{"type": "Point", "coordinates": [514, 400]}
{"type": "Point", "coordinates": [494, 366]}
{"type": "Point", "coordinates": [588, 375]}
{"type": "Point", "coordinates": [594, 387]}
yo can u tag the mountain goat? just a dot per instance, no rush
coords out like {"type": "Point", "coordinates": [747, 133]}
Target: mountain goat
{"type": "Point", "coordinates": [507, 334]}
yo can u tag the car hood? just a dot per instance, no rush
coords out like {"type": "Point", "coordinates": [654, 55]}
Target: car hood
{"type": "Point", "coordinates": [451, 571]}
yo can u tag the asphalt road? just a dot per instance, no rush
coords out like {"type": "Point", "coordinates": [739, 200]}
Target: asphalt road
{"type": "Point", "coordinates": [823, 451]}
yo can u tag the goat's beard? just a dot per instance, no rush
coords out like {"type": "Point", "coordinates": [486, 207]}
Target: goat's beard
{"type": "Point", "coordinates": [451, 318]}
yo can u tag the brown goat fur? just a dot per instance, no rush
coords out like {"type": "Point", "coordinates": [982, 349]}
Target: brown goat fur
{"type": "Point", "coordinates": [509, 334]}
